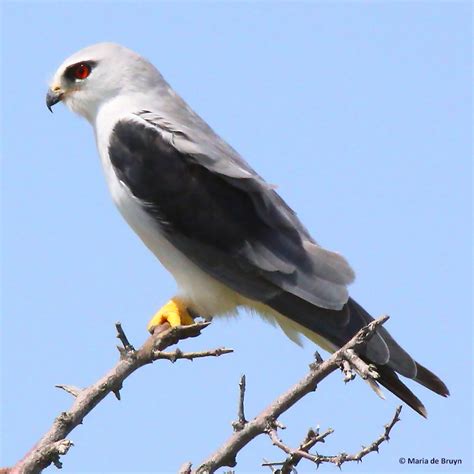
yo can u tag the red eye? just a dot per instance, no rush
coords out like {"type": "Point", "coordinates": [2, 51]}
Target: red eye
{"type": "Point", "coordinates": [81, 71]}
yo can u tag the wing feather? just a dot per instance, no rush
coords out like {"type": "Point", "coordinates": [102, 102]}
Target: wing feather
{"type": "Point", "coordinates": [215, 209]}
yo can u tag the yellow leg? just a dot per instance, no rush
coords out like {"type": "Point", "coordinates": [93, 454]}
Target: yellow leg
{"type": "Point", "coordinates": [174, 312]}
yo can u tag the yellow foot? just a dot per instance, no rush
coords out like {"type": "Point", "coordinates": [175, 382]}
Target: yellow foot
{"type": "Point", "coordinates": [174, 313]}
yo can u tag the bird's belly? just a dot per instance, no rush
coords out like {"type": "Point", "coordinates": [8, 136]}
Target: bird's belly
{"type": "Point", "coordinates": [204, 294]}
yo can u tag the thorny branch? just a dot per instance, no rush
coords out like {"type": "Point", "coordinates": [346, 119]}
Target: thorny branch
{"type": "Point", "coordinates": [226, 455]}
{"type": "Point", "coordinates": [54, 443]}
{"type": "Point", "coordinates": [313, 437]}
{"type": "Point", "coordinates": [295, 455]}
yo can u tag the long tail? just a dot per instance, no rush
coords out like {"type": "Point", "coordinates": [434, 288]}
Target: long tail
{"type": "Point", "coordinates": [338, 327]}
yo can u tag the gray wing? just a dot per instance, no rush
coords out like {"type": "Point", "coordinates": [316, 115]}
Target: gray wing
{"type": "Point", "coordinates": [216, 210]}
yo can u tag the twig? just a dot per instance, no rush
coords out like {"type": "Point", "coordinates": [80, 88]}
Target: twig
{"type": "Point", "coordinates": [317, 358]}
{"type": "Point", "coordinates": [127, 347]}
{"type": "Point", "coordinates": [270, 464]}
{"type": "Point", "coordinates": [241, 421]}
{"type": "Point", "coordinates": [53, 443]}
{"type": "Point", "coordinates": [71, 389]}
{"type": "Point", "coordinates": [177, 354]}
{"type": "Point", "coordinates": [185, 468]}
{"type": "Point", "coordinates": [311, 439]}
{"type": "Point", "coordinates": [339, 459]}
{"type": "Point", "coordinates": [226, 454]}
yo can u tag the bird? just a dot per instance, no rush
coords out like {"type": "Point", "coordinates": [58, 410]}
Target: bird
{"type": "Point", "coordinates": [226, 236]}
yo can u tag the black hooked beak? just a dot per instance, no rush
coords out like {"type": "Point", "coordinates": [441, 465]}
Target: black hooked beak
{"type": "Point", "coordinates": [53, 97]}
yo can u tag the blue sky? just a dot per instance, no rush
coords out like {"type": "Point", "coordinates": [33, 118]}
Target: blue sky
{"type": "Point", "coordinates": [359, 112]}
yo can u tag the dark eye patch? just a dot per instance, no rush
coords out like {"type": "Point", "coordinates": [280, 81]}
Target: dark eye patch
{"type": "Point", "coordinates": [79, 71]}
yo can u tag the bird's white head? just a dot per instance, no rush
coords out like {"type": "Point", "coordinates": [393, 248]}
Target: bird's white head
{"type": "Point", "coordinates": [96, 74]}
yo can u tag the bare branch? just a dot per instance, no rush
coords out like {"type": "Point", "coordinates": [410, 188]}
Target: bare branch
{"type": "Point", "coordinates": [269, 464]}
{"type": "Point", "coordinates": [71, 389]}
{"type": "Point", "coordinates": [226, 454]}
{"type": "Point", "coordinates": [294, 458]}
{"type": "Point", "coordinates": [241, 421]}
{"type": "Point", "coordinates": [123, 338]}
{"type": "Point", "coordinates": [339, 459]}
{"type": "Point", "coordinates": [53, 443]}
{"type": "Point", "coordinates": [177, 354]}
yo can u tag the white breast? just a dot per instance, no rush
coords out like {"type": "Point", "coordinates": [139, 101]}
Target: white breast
{"type": "Point", "coordinates": [204, 294]}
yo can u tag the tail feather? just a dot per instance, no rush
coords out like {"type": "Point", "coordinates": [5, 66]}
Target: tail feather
{"type": "Point", "coordinates": [338, 327]}
{"type": "Point", "coordinates": [426, 378]}
{"type": "Point", "coordinates": [389, 379]}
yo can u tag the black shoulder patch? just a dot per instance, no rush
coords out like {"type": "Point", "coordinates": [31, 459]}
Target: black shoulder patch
{"type": "Point", "coordinates": [191, 199]}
